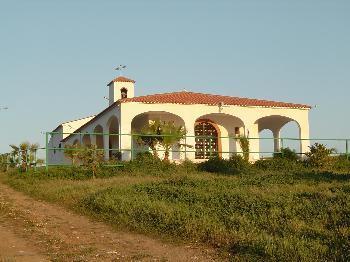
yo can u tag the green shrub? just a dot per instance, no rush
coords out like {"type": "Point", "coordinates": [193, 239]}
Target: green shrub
{"type": "Point", "coordinates": [3, 162]}
{"type": "Point", "coordinates": [287, 153]}
{"type": "Point", "coordinates": [319, 156]}
{"type": "Point", "coordinates": [149, 164]}
{"type": "Point", "coordinates": [278, 163]}
{"type": "Point", "coordinates": [341, 163]}
{"type": "Point", "coordinates": [235, 165]}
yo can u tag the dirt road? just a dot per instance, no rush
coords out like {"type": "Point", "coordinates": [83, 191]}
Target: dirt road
{"type": "Point", "coordinates": [32, 230]}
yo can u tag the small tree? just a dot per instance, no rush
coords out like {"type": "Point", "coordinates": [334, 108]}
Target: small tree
{"type": "Point", "coordinates": [319, 155]}
{"type": "Point", "coordinates": [91, 158]}
{"type": "Point", "coordinates": [287, 153]}
{"type": "Point", "coordinates": [14, 156]}
{"type": "Point", "coordinates": [24, 155]}
{"type": "Point", "coordinates": [149, 136]}
{"type": "Point", "coordinates": [4, 161]}
{"type": "Point", "coordinates": [23, 148]}
{"type": "Point", "coordinates": [72, 151]}
{"type": "Point", "coordinates": [33, 148]}
{"type": "Point", "coordinates": [171, 135]}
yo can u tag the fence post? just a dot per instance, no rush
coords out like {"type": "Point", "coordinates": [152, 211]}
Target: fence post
{"type": "Point", "coordinates": [347, 148]}
{"type": "Point", "coordinates": [47, 151]}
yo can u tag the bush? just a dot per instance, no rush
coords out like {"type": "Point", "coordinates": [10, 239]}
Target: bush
{"type": "Point", "coordinates": [287, 153]}
{"type": "Point", "coordinates": [319, 156]}
{"type": "Point", "coordinates": [3, 162]}
{"type": "Point", "coordinates": [278, 163]}
{"type": "Point", "coordinates": [148, 164]}
{"type": "Point", "coordinates": [235, 165]}
{"type": "Point", "coordinates": [341, 163]}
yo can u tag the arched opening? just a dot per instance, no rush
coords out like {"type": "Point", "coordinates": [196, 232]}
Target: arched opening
{"type": "Point", "coordinates": [227, 127]}
{"type": "Point", "coordinates": [124, 93]}
{"type": "Point", "coordinates": [276, 132]}
{"type": "Point", "coordinates": [145, 119]}
{"type": "Point", "coordinates": [86, 140]}
{"type": "Point", "coordinates": [76, 142]}
{"type": "Point", "coordinates": [113, 130]}
{"type": "Point", "coordinates": [290, 130]}
{"type": "Point", "coordinates": [206, 140]}
{"type": "Point", "coordinates": [266, 144]}
{"type": "Point", "coordinates": [99, 136]}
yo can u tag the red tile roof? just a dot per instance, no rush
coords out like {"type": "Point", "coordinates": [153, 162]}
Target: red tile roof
{"type": "Point", "coordinates": [122, 79]}
{"type": "Point", "coordinates": [190, 98]}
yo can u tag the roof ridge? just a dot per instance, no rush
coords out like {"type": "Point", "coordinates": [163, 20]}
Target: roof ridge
{"type": "Point", "coordinates": [235, 100]}
{"type": "Point", "coordinates": [70, 121]}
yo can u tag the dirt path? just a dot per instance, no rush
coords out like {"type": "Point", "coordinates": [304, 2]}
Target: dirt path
{"type": "Point", "coordinates": [33, 230]}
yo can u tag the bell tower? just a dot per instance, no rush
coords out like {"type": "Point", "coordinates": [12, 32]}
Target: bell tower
{"type": "Point", "coordinates": [121, 88]}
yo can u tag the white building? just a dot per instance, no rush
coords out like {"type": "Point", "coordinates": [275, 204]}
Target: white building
{"type": "Point", "coordinates": [223, 117]}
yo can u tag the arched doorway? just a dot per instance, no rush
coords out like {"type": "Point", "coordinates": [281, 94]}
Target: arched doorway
{"type": "Point", "coordinates": [144, 119]}
{"type": "Point", "coordinates": [86, 140]}
{"type": "Point", "coordinates": [206, 139]}
{"type": "Point", "coordinates": [99, 136]}
{"type": "Point", "coordinates": [113, 130]}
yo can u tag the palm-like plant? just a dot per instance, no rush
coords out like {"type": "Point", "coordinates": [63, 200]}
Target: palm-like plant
{"type": "Point", "coordinates": [23, 148]}
{"type": "Point", "coordinates": [24, 155]}
{"type": "Point", "coordinates": [33, 148]}
{"type": "Point", "coordinates": [171, 135]}
{"type": "Point", "coordinates": [150, 136]}
{"type": "Point", "coordinates": [14, 156]}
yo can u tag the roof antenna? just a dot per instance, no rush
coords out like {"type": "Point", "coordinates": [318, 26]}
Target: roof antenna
{"type": "Point", "coordinates": [120, 68]}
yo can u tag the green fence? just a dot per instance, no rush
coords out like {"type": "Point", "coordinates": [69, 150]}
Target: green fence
{"type": "Point", "coordinates": [341, 145]}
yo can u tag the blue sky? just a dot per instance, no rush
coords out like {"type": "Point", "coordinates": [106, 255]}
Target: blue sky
{"type": "Point", "coordinates": [56, 57]}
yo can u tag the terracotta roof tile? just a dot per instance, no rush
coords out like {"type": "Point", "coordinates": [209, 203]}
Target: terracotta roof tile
{"type": "Point", "coordinates": [122, 79]}
{"type": "Point", "coordinates": [190, 98]}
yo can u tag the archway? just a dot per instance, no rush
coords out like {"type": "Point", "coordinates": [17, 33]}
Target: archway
{"type": "Point", "coordinates": [228, 128]}
{"type": "Point", "coordinates": [113, 145]}
{"type": "Point", "coordinates": [99, 136]}
{"type": "Point", "coordinates": [276, 132]}
{"type": "Point", "coordinates": [144, 119]}
{"type": "Point", "coordinates": [86, 140]}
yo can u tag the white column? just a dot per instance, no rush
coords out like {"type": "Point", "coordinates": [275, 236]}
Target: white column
{"type": "Point", "coordinates": [252, 131]}
{"type": "Point", "coordinates": [106, 146]}
{"type": "Point", "coordinates": [276, 139]}
{"type": "Point", "coordinates": [304, 133]}
{"type": "Point", "coordinates": [190, 138]}
{"type": "Point", "coordinates": [125, 138]}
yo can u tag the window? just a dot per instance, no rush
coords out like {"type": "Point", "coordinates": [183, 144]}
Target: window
{"type": "Point", "coordinates": [124, 93]}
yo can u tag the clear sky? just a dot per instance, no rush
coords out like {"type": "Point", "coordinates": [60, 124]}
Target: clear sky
{"type": "Point", "coordinates": [56, 57]}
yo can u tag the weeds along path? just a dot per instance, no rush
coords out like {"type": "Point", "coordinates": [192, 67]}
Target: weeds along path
{"type": "Point", "coordinates": [61, 235]}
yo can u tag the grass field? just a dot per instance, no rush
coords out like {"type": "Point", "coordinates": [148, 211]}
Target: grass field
{"type": "Point", "coordinates": [289, 216]}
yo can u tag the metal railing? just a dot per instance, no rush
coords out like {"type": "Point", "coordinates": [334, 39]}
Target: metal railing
{"type": "Point", "coordinates": [133, 148]}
